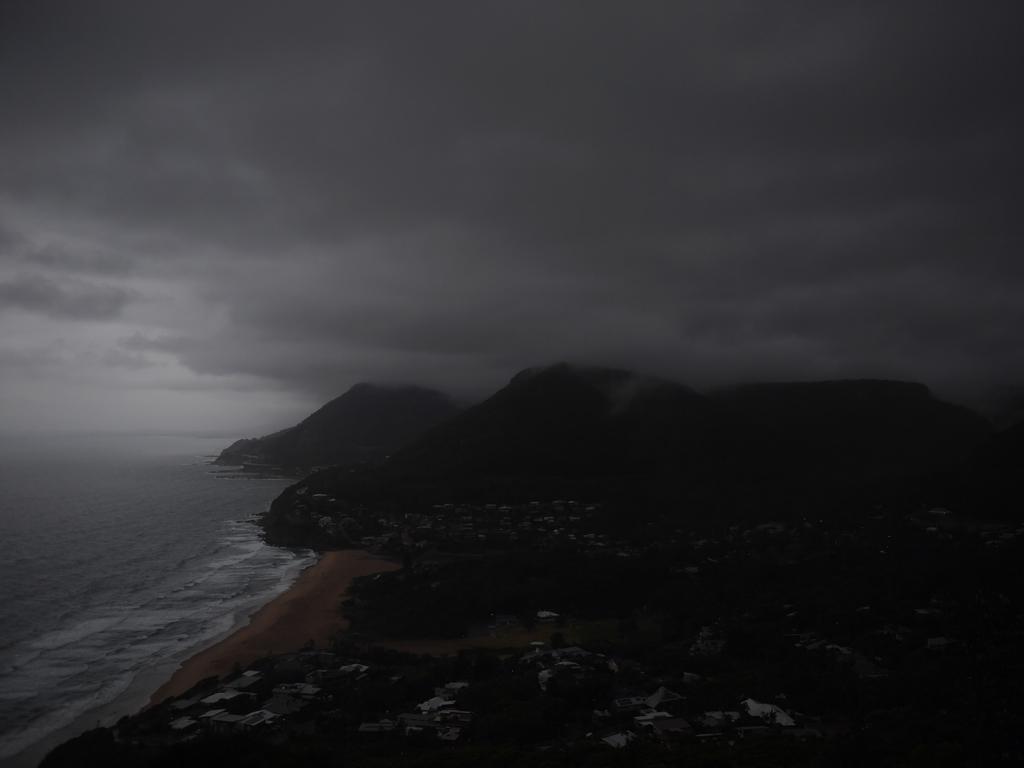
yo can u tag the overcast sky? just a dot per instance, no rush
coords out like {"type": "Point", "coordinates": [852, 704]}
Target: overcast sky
{"type": "Point", "coordinates": [216, 215]}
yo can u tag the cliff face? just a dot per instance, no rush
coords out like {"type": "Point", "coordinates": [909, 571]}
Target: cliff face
{"type": "Point", "coordinates": [363, 425]}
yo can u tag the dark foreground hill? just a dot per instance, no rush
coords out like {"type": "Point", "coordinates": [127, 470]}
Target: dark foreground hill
{"type": "Point", "coordinates": [365, 424]}
{"type": "Point", "coordinates": [643, 442]}
{"type": "Point", "coordinates": [992, 480]}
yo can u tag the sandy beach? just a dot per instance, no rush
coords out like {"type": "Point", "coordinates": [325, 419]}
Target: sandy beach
{"type": "Point", "coordinates": [308, 610]}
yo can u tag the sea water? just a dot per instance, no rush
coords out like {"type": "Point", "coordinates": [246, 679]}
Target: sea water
{"type": "Point", "coordinates": [119, 556]}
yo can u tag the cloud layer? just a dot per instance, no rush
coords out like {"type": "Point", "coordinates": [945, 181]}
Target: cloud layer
{"type": "Point", "coordinates": [289, 198]}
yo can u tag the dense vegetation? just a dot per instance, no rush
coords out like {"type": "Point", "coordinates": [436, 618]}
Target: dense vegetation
{"type": "Point", "coordinates": [837, 621]}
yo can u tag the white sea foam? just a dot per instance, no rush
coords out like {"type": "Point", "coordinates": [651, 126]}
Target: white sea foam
{"type": "Point", "coordinates": [158, 563]}
{"type": "Point", "coordinates": [132, 638]}
{"type": "Point", "coordinates": [63, 715]}
{"type": "Point", "coordinates": [75, 633]}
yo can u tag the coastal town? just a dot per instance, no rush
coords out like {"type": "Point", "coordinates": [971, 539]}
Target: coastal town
{"type": "Point", "coordinates": [378, 695]}
{"type": "Point", "coordinates": [541, 626]}
{"type": "Point", "coordinates": [559, 523]}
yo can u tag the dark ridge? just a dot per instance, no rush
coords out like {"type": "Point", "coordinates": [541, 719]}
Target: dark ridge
{"type": "Point", "coordinates": [856, 430]}
{"type": "Point", "coordinates": [564, 420]}
{"type": "Point", "coordinates": [572, 420]}
{"type": "Point", "coordinates": [643, 443]}
{"type": "Point", "coordinates": [363, 425]}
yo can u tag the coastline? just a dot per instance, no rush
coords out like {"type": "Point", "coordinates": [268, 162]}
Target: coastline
{"type": "Point", "coordinates": [308, 610]}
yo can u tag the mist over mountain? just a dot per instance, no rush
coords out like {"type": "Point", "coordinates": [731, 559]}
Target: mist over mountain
{"type": "Point", "coordinates": [364, 424]}
{"type": "Point", "coordinates": [570, 420]}
{"type": "Point", "coordinates": [577, 420]}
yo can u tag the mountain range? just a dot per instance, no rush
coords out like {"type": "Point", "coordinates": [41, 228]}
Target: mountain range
{"type": "Point", "coordinates": [574, 431]}
{"type": "Point", "coordinates": [573, 420]}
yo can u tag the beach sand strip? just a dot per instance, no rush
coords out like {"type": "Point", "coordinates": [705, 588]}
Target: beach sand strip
{"type": "Point", "coordinates": [309, 610]}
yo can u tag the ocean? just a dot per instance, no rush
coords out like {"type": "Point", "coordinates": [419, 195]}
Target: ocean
{"type": "Point", "coordinates": [119, 557]}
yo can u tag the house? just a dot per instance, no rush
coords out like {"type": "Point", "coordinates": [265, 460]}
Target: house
{"type": "Point", "coordinates": [709, 642]}
{"type": "Point", "coordinates": [648, 718]}
{"type": "Point", "coordinates": [225, 722]}
{"type": "Point", "coordinates": [662, 696]}
{"type": "Point", "coordinates": [619, 740]}
{"type": "Point", "coordinates": [304, 691]}
{"type": "Point", "coordinates": [183, 725]}
{"type": "Point", "coordinates": [940, 643]}
{"type": "Point", "coordinates": [207, 717]}
{"type": "Point", "coordinates": [449, 690]}
{"type": "Point", "coordinates": [459, 716]}
{"type": "Point", "coordinates": [434, 704]}
{"type": "Point", "coordinates": [710, 736]}
{"type": "Point", "coordinates": [246, 681]}
{"type": "Point", "coordinates": [346, 672]}
{"type": "Point", "coordinates": [290, 698]}
{"type": "Point", "coordinates": [629, 704]}
{"type": "Point", "coordinates": [381, 726]}
{"type": "Point", "coordinates": [225, 697]}
{"type": "Point", "coordinates": [718, 719]}
{"type": "Point", "coordinates": [181, 705]}
{"type": "Point", "coordinates": [412, 723]}
{"type": "Point", "coordinates": [543, 677]}
{"type": "Point", "coordinates": [261, 718]}
{"type": "Point", "coordinates": [769, 712]}
{"type": "Point", "coordinates": [671, 728]}
{"type": "Point", "coordinates": [285, 705]}
{"type": "Point", "coordinates": [326, 676]}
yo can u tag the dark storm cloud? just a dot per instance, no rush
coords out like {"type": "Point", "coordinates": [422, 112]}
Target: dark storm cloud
{"type": "Point", "coordinates": [74, 299]}
{"type": "Point", "coordinates": [448, 192]}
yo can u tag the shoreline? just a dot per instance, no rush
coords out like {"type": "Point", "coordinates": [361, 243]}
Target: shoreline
{"type": "Point", "coordinates": [310, 609]}
{"type": "Point", "coordinates": [317, 593]}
